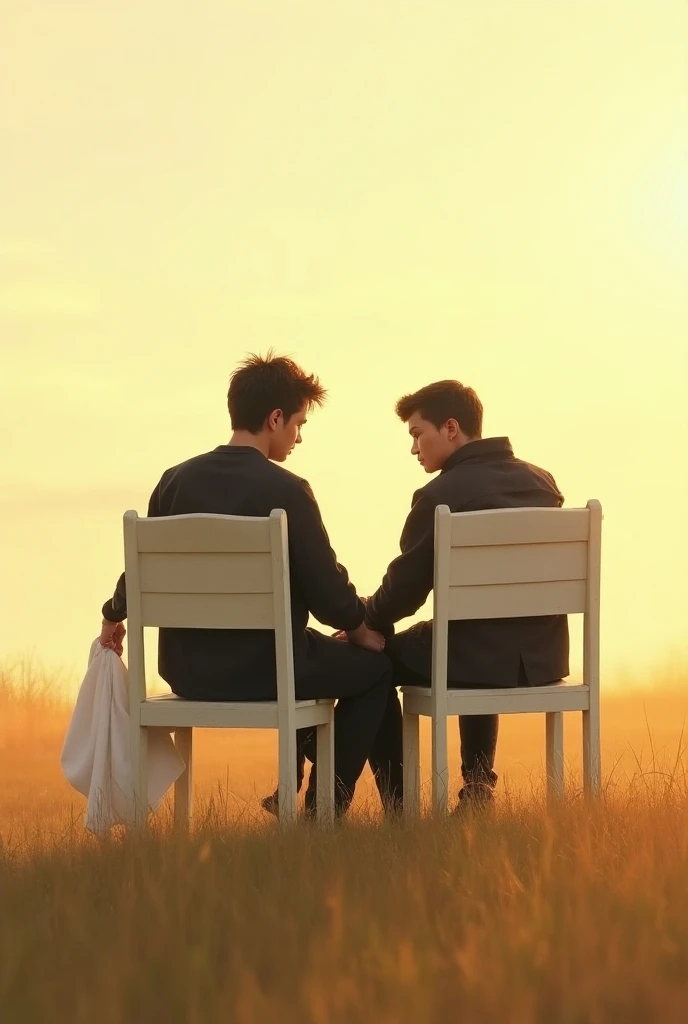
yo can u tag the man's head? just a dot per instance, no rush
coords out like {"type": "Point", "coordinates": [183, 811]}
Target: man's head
{"type": "Point", "coordinates": [269, 397]}
{"type": "Point", "coordinates": [442, 418]}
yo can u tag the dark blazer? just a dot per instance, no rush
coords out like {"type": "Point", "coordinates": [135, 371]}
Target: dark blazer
{"type": "Point", "coordinates": [240, 664]}
{"type": "Point", "coordinates": [483, 474]}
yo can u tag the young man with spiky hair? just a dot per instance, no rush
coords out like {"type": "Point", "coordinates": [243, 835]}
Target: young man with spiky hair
{"type": "Point", "coordinates": [445, 422]}
{"type": "Point", "coordinates": [269, 399]}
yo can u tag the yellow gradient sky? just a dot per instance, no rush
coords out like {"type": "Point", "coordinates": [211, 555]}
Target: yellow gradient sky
{"type": "Point", "coordinates": [393, 192]}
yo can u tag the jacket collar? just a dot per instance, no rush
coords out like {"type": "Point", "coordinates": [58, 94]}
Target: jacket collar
{"type": "Point", "coordinates": [232, 448]}
{"type": "Point", "coordinates": [484, 448]}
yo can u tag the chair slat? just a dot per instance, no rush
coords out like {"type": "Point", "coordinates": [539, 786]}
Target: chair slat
{"type": "Point", "coordinates": [202, 532]}
{"type": "Point", "coordinates": [519, 526]}
{"type": "Point", "coordinates": [517, 600]}
{"type": "Point", "coordinates": [518, 563]}
{"type": "Point", "coordinates": [206, 573]}
{"type": "Point", "coordinates": [208, 611]}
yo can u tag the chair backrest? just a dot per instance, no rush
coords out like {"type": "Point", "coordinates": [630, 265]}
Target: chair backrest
{"type": "Point", "coordinates": [205, 571]}
{"type": "Point", "coordinates": [507, 563]}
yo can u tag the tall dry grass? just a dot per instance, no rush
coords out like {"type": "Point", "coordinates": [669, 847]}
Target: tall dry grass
{"type": "Point", "coordinates": [579, 916]}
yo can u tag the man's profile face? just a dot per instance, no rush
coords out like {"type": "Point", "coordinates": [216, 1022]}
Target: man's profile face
{"type": "Point", "coordinates": [285, 435]}
{"type": "Point", "coordinates": [432, 447]}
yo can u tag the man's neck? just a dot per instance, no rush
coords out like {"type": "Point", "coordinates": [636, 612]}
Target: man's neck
{"type": "Point", "coordinates": [459, 445]}
{"type": "Point", "coordinates": [245, 439]}
{"type": "Point", "coordinates": [468, 440]}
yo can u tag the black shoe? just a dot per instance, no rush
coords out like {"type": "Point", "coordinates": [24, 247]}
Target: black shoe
{"type": "Point", "coordinates": [474, 798]}
{"type": "Point", "coordinates": [271, 804]}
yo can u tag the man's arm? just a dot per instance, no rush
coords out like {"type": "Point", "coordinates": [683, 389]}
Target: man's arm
{"type": "Point", "coordinates": [560, 496]}
{"type": "Point", "coordinates": [408, 579]}
{"type": "Point", "coordinates": [314, 568]}
{"type": "Point", "coordinates": [115, 609]}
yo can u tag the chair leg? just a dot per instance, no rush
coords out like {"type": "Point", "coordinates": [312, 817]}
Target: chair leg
{"type": "Point", "coordinates": [555, 755]}
{"type": "Point", "coordinates": [440, 765]}
{"type": "Point", "coordinates": [183, 787]}
{"type": "Point", "coordinates": [591, 751]}
{"type": "Point", "coordinates": [286, 787]}
{"type": "Point", "coordinates": [411, 755]}
{"type": "Point", "coordinates": [324, 794]}
{"type": "Point", "coordinates": [139, 774]}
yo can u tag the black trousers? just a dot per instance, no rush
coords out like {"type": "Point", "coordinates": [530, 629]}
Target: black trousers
{"type": "Point", "coordinates": [361, 681]}
{"type": "Point", "coordinates": [478, 734]}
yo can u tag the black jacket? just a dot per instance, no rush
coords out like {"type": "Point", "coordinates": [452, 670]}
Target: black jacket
{"type": "Point", "coordinates": [483, 474]}
{"type": "Point", "coordinates": [240, 664]}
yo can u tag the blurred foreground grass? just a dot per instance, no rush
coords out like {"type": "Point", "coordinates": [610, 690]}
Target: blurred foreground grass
{"type": "Point", "coordinates": [581, 916]}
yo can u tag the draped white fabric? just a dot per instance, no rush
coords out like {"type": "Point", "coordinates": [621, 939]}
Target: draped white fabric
{"type": "Point", "coordinates": [96, 756]}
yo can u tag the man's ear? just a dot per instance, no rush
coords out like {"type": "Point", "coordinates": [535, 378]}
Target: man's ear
{"type": "Point", "coordinates": [452, 429]}
{"type": "Point", "coordinates": [275, 418]}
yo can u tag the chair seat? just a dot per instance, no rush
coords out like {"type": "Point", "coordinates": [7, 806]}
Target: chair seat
{"type": "Point", "coordinates": [561, 696]}
{"type": "Point", "coordinates": [170, 711]}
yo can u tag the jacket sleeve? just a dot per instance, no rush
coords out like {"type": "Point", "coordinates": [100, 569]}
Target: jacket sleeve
{"type": "Point", "coordinates": [408, 579]}
{"type": "Point", "coordinates": [115, 609]}
{"type": "Point", "coordinates": [313, 565]}
{"type": "Point", "coordinates": [560, 496]}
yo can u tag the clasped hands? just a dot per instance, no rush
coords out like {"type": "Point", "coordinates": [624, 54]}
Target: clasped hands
{"type": "Point", "coordinates": [362, 636]}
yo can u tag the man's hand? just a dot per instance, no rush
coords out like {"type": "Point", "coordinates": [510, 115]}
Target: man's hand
{"type": "Point", "coordinates": [367, 638]}
{"type": "Point", "coordinates": [111, 636]}
{"type": "Point", "coordinates": [343, 635]}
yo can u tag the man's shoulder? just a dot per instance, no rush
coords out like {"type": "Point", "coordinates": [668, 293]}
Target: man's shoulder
{"type": "Point", "coordinates": [263, 467]}
{"type": "Point", "coordinates": [188, 466]}
{"type": "Point", "coordinates": [426, 498]}
{"type": "Point", "coordinates": [218, 483]}
{"type": "Point", "coordinates": [277, 480]}
{"type": "Point", "coordinates": [432, 492]}
{"type": "Point", "coordinates": [284, 478]}
{"type": "Point", "coordinates": [532, 467]}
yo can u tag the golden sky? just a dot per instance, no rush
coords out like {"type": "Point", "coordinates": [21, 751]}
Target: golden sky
{"type": "Point", "coordinates": [392, 192]}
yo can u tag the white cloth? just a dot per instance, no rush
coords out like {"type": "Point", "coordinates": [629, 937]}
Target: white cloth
{"type": "Point", "coordinates": [96, 756]}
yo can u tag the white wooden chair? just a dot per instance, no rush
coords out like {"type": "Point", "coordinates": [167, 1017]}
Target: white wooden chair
{"type": "Point", "coordinates": [506, 563]}
{"type": "Point", "coordinates": [217, 572]}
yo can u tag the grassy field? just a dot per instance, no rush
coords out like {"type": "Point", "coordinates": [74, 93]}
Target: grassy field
{"type": "Point", "coordinates": [581, 916]}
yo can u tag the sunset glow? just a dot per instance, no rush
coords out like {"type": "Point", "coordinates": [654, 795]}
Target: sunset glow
{"type": "Point", "coordinates": [392, 193]}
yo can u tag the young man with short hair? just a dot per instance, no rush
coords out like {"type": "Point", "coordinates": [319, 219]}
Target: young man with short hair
{"type": "Point", "coordinates": [445, 422]}
{"type": "Point", "coordinates": [269, 399]}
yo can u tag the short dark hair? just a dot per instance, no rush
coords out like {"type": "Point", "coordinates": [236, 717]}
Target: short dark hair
{"type": "Point", "coordinates": [445, 400]}
{"type": "Point", "coordinates": [261, 384]}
